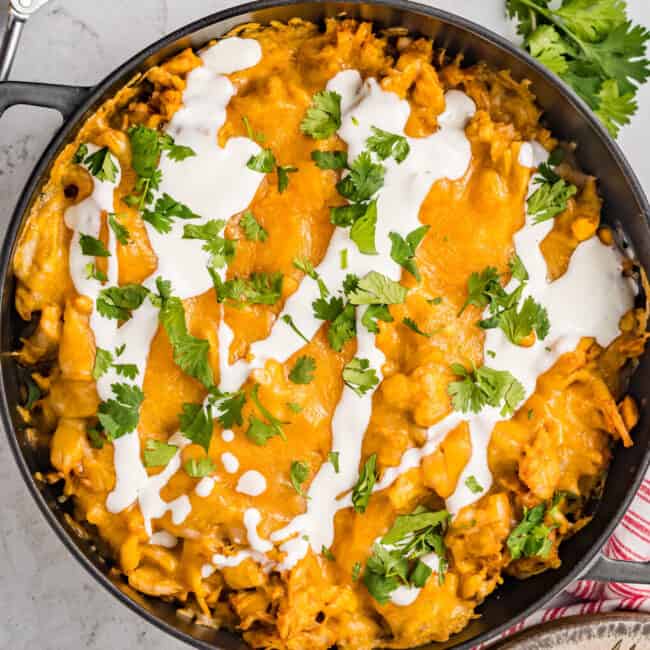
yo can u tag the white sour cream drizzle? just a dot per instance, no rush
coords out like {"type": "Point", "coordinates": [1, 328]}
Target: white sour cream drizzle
{"type": "Point", "coordinates": [197, 182]}
{"type": "Point", "coordinates": [444, 154]}
{"type": "Point", "coordinates": [164, 539]}
{"type": "Point", "coordinates": [215, 184]}
{"type": "Point", "coordinates": [252, 483]}
{"type": "Point", "coordinates": [230, 462]}
{"type": "Point", "coordinates": [588, 300]}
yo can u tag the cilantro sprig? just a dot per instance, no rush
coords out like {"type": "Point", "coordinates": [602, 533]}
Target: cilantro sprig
{"type": "Point", "coordinates": [364, 485]}
{"type": "Point", "coordinates": [516, 320]}
{"type": "Point", "coordinates": [531, 537]}
{"type": "Point", "coordinates": [323, 117]}
{"type": "Point", "coordinates": [482, 387]}
{"type": "Point", "coordinates": [551, 196]}
{"type": "Point", "coordinates": [303, 370]}
{"type": "Point", "coordinates": [298, 474]}
{"type": "Point", "coordinates": [593, 47]}
{"type": "Point", "coordinates": [190, 352]}
{"type": "Point", "coordinates": [119, 415]}
{"type": "Point", "coordinates": [146, 147]}
{"type": "Point", "coordinates": [396, 560]}
{"type": "Point", "coordinates": [261, 431]}
{"type": "Point", "coordinates": [165, 212]}
{"type": "Point", "coordinates": [359, 376]}
{"type": "Point", "coordinates": [258, 288]}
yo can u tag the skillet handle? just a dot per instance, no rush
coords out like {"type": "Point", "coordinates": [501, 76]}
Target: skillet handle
{"type": "Point", "coordinates": [605, 569]}
{"type": "Point", "coordinates": [65, 99]}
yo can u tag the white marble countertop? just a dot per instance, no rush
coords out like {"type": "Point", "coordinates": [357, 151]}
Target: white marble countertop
{"type": "Point", "coordinates": [46, 599]}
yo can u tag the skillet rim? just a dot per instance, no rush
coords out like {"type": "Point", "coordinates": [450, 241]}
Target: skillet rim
{"type": "Point", "coordinates": [98, 92]}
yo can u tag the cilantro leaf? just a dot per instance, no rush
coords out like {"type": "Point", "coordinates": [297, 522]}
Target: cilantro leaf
{"type": "Point", "coordinates": [548, 47]}
{"type": "Point", "coordinates": [263, 162]}
{"type": "Point", "coordinates": [517, 325]}
{"type": "Point", "coordinates": [482, 288]}
{"type": "Point", "coordinates": [230, 409]}
{"type": "Point", "coordinates": [473, 485]}
{"type": "Point", "coordinates": [93, 273]}
{"type": "Point", "coordinates": [195, 423]}
{"type": "Point", "coordinates": [33, 393]}
{"type": "Point", "coordinates": [333, 458]}
{"type": "Point", "coordinates": [119, 302]}
{"type": "Point", "coordinates": [145, 150]}
{"type": "Point", "coordinates": [92, 246]}
{"type": "Point", "coordinates": [119, 415]}
{"type": "Point", "coordinates": [359, 376]}
{"type": "Point", "coordinates": [517, 269]}
{"type": "Point", "coordinates": [260, 431]}
{"type": "Point", "coordinates": [101, 165]}
{"type": "Point", "coordinates": [485, 387]}
{"type": "Point", "coordinates": [377, 289]}
{"type": "Point", "coordinates": [120, 231]}
{"type": "Point", "coordinates": [591, 20]}
{"type": "Point", "coordinates": [283, 176]}
{"type": "Point", "coordinates": [80, 154]}
{"type": "Point", "coordinates": [103, 361]}
{"type": "Point", "coordinates": [259, 288]}
{"type": "Point", "coordinates": [342, 329]}
{"type": "Point", "coordinates": [296, 408]}
{"type": "Point", "coordinates": [190, 353]}
{"type": "Point", "coordinates": [363, 487]}
{"type": "Point", "coordinates": [346, 215]}
{"type": "Point", "coordinates": [128, 370]}
{"type": "Point", "coordinates": [386, 144]}
{"type": "Point", "coordinates": [363, 181]}
{"type": "Point", "coordinates": [303, 370]}
{"type": "Point", "coordinates": [327, 554]}
{"type": "Point", "coordinates": [165, 212]}
{"type": "Point", "coordinates": [362, 232]}
{"type": "Point", "coordinates": [615, 109]}
{"type": "Point", "coordinates": [373, 314]}
{"type": "Point", "coordinates": [323, 117]}
{"type": "Point", "coordinates": [330, 159]}
{"type": "Point", "coordinates": [403, 250]}
{"type": "Point", "coordinates": [385, 571]}
{"type": "Point", "coordinates": [412, 325]}
{"type": "Point", "coordinates": [298, 474]}
{"type": "Point", "coordinates": [175, 152]}
{"type": "Point", "coordinates": [221, 250]}
{"type": "Point", "coordinates": [356, 570]}
{"type": "Point", "coordinates": [530, 538]}
{"type": "Point", "coordinates": [157, 453]}
{"type": "Point", "coordinates": [199, 468]}
{"type": "Point", "coordinates": [551, 196]}
{"type": "Point", "coordinates": [251, 227]}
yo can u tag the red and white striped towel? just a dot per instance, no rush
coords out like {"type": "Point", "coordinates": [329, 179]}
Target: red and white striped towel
{"type": "Point", "coordinates": [630, 541]}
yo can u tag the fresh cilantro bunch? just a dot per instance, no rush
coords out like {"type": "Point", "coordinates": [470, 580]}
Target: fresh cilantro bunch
{"type": "Point", "coordinates": [485, 386]}
{"type": "Point", "coordinates": [397, 560]}
{"type": "Point", "coordinates": [593, 47]}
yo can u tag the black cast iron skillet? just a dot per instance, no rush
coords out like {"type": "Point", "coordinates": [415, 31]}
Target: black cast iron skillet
{"type": "Point", "coordinates": [568, 117]}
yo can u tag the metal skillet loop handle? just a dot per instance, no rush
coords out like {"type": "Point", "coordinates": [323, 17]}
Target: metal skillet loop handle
{"type": "Point", "coordinates": [605, 569]}
{"type": "Point", "coordinates": [64, 99]}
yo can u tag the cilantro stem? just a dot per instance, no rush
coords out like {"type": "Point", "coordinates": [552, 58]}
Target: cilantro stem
{"type": "Point", "coordinates": [549, 15]}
